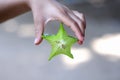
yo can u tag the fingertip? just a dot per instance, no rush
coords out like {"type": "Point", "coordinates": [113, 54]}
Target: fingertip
{"type": "Point", "coordinates": [80, 40]}
{"type": "Point", "coordinates": [37, 41]}
{"type": "Point", "coordinates": [80, 36]}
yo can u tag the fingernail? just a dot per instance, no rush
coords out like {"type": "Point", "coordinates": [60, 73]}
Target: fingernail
{"type": "Point", "coordinates": [80, 42]}
{"type": "Point", "coordinates": [82, 39]}
{"type": "Point", "coordinates": [35, 41]}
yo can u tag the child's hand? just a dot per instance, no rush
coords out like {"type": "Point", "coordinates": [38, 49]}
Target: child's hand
{"type": "Point", "coordinates": [46, 10]}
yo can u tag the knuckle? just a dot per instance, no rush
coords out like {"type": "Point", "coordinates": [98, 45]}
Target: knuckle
{"type": "Point", "coordinates": [82, 25]}
{"type": "Point", "coordinates": [83, 22]}
{"type": "Point", "coordinates": [75, 11]}
{"type": "Point", "coordinates": [82, 15]}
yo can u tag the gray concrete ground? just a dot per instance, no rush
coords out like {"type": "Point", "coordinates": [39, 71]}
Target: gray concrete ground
{"type": "Point", "coordinates": [97, 59]}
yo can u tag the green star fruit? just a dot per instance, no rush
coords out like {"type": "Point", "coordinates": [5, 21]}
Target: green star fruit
{"type": "Point", "coordinates": [61, 43]}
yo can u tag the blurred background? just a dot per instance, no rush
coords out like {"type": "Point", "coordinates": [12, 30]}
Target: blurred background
{"type": "Point", "coordinates": [97, 59]}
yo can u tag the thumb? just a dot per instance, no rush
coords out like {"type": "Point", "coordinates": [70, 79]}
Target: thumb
{"type": "Point", "coordinates": [39, 22]}
{"type": "Point", "coordinates": [39, 29]}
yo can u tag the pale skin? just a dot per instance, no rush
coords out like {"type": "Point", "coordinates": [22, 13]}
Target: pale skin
{"type": "Point", "coordinates": [44, 11]}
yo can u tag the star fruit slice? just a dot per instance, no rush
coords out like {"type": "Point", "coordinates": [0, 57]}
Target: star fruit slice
{"type": "Point", "coordinates": [61, 43]}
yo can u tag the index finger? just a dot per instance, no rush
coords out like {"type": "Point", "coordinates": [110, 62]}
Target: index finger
{"type": "Point", "coordinates": [66, 19]}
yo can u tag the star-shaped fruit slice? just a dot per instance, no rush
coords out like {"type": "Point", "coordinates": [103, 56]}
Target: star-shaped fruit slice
{"type": "Point", "coordinates": [61, 42]}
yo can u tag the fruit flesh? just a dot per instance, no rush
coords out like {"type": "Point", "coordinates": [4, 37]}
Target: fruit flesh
{"type": "Point", "coordinates": [61, 43]}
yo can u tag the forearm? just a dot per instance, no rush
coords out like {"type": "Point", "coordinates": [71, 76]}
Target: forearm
{"type": "Point", "coordinates": [12, 8]}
